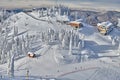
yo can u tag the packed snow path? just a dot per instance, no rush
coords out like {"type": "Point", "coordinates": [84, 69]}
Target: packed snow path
{"type": "Point", "coordinates": [103, 71]}
{"type": "Point", "coordinates": [77, 70]}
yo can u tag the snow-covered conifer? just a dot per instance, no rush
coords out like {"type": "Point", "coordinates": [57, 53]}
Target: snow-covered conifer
{"type": "Point", "coordinates": [118, 22]}
{"type": "Point", "coordinates": [118, 50]}
{"type": "Point", "coordinates": [59, 11]}
{"type": "Point", "coordinates": [20, 47]}
{"type": "Point", "coordinates": [42, 37]}
{"type": "Point", "coordinates": [27, 43]}
{"type": "Point", "coordinates": [65, 42]}
{"type": "Point", "coordinates": [76, 15]}
{"type": "Point", "coordinates": [10, 70]}
{"type": "Point", "coordinates": [79, 46]}
{"type": "Point", "coordinates": [38, 13]}
{"type": "Point", "coordinates": [76, 40]}
{"type": "Point", "coordinates": [15, 30]}
{"type": "Point", "coordinates": [82, 38]}
{"type": "Point", "coordinates": [12, 65]}
{"type": "Point", "coordinates": [42, 12]}
{"type": "Point", "coordinates": [8, 62]}
{"type": "Point", "coordinates": [61, 35]}
{"type": "Point", "coordinates": [70, 45]}
{"type": "Point", "coordinates": [3, 57]}
{"type": "Point", "coordinates": [113, 41]}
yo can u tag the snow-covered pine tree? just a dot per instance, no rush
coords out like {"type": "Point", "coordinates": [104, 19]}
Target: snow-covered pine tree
{"type": "Point", "coordinates": [12, 65]}
{"type": "Point", "coordinates": [13, 50]}
{"type": "Point", "coordinates": [61, 35]}
{"type": "Point", "coordinates": [118, 22]}
{"type": "Point", "coordinates": [113, 41]}
{"type": "Point", "coordinates": [12, 13]}
{"type": "Point", "coordinates": [76, 40]}
{"type": "Point", "coordinates": [15, 30]}
{"type": "Point", "coordinates": [50, 34]}
{"type": "Point", "coordinates": [65, 41]}
{"type": "Point", "coordinates": [13, 41]}
{"type": "Point", "coordinates": [23, 45]}
{"type": "Point", "coordinates": [10, 69]}
{"type": "Point", "coordinates": [86, 57]}
{"type": "Point", "coordinates": [8, 62]}
{"type": "Point", "coordinates": [20, 47]}
{"type": "Point", "coordinates": [0, 27]}
{"type": "Point", "coordinates": [17, 42]}
{"type": "Point", "coordinates": [3, 48]}
{"type": "Point", "coordinates": [47, 11]}
{"type": "Point", "coordinates": [118, 50]}
{"type": "Point", "coordinates": [79, 50]}
{"type": "Point", "coordinates": [70, 45]}
{"type": "Point", "coordinates": [0, 55]}
{"type": "Point", "coordinates": [38, 13]}
{"type": "Point", "coordinates": [27, 43]}
{"type": "Point", "coordinates": [79, 46]}
{"type": "Point", "coordinates": [42, 37]}
{"type": "Point", "coordinates": [3, 56]}
{"type": "Point", "coordinates": [76, 15]}
{"type": "Point", "coordinates": [42, 13]}
{"type": "Point", "coordinates": [47, 37]}
{"type": "Point", "coordinates": [82, 38]}
{"type": "Point", "coordinates": [53, 10]}
{"type": "Point", "coordinates": [11, 61]}
{"type": "Point", "coordinates": [56, 36]}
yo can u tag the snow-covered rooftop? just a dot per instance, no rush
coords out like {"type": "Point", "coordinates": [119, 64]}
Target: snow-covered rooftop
{"type": "Point", "coordinates": [105, 24]}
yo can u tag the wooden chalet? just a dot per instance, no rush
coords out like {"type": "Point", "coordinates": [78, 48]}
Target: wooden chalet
{"type": "Point", "coordinates": [75, 24]}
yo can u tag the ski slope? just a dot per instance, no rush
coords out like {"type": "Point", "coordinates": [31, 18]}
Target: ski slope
{"type": "Point", "coordinates": [44, 65]}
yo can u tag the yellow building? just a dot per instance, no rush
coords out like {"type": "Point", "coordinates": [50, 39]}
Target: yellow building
{"type": "Point", "coordinates": [105, 27]}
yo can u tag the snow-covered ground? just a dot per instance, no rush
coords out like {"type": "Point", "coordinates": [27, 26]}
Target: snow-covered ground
{"type": "Point", "coordinates": [62, 52]}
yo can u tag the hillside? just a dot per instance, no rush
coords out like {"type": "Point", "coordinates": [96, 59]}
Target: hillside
{"type": "Point", "coordinates": [62, 52]}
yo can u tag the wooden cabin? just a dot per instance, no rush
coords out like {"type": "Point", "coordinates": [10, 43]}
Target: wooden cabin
{"type": "Point", "coordinates": [31, 54]}
{"type": "Point", "coordinates": [75, 24]}
{"type": "Point", "coordinates": [104, 27]}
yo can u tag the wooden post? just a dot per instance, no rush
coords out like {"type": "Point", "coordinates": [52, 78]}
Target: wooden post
{"type": "Point", "coordinates": [27, 74]}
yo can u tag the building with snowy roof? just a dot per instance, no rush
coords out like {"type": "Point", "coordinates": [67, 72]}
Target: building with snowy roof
{"type": "Point", "coordinates": [75, 24]}
{"type": "Point", "coordinates": [105, 27]}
